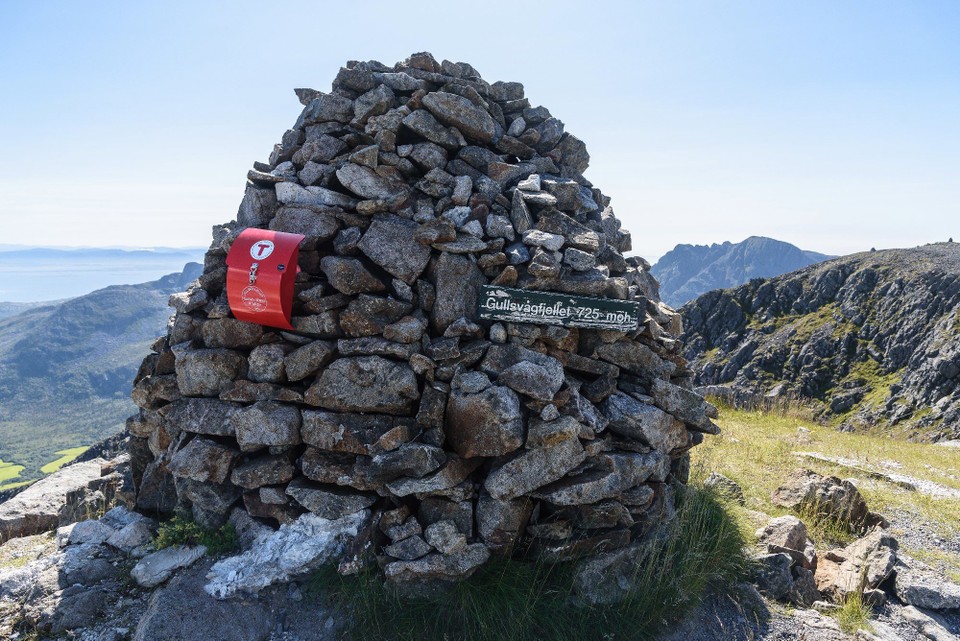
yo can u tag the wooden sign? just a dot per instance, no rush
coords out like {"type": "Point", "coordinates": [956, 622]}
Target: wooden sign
{"type": "Point", "coordinates": [543, 308]}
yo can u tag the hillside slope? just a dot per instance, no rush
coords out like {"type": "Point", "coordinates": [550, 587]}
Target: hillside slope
{"type": "Point", "coordinates": [687, 271]}
{"type": "Point", "coordinates": [66, 369]}
{"type": "Point", "coordinates": [870, 339]}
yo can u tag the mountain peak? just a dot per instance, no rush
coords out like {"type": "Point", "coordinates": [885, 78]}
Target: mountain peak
{"type": "Point", "coordinates": [687, 271]}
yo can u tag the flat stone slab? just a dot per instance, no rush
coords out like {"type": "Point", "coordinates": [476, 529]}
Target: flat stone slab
{"type": "Point", "coordinates": [154, 569]}
{"type": "Point", "coordinates": [37, 508]}
{"type": "Point", "coordinates": [293, 550]}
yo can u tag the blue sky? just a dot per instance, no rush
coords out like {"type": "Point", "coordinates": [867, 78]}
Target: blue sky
{"type": "Point", "coordinates": [831, 125]}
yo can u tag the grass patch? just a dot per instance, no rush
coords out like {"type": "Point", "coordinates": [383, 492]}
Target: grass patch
{"type": "Point", "coordinates": [756, 448]}
{"type": "Point", "coordinates": [11, 486]}
{"type": "Point", "coordinates": [180, 530]}
{"type": "Point", "coordinates": [871, 374]}
{"type": "Point", "coordinates": [65, 457]}
{"type": "Point", "coordinates": [854, 614]}
{"type": "Point", "coordinates": [9, 471]}
{"type": "Point", "coordinates": [520, 601]}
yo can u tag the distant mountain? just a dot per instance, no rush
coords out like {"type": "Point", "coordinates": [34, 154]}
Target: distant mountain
{"type": "Point", "coordinates": [10, 309]}
{"type": "Point", "coordinates": [870, 339]}
{"type": "Point", "coordinates": [66, 369]}
{"type": "Point", "coordinates": [31, 274]}
{"type": "Point", "coordinates": [687, 271]}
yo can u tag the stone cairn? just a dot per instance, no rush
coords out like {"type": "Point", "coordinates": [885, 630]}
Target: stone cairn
{"type": "Point", "coordinates": [465, 438]}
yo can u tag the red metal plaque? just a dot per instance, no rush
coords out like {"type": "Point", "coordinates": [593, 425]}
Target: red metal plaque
{"type": "Point", "coordinates": [261, 269]}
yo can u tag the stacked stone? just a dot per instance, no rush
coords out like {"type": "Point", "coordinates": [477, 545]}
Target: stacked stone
{"type": "Point", "coordinates": [414, 185]}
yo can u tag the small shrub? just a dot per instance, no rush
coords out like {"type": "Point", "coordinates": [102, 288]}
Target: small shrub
{"type": "Point", "coordinates": [854, 614]}
{"type": "Point", "coordinates": [827, 529]}
{"type": "Point", "coordinates": [181, 530]}
{"type": "Point", "coordinates": [520, 601]}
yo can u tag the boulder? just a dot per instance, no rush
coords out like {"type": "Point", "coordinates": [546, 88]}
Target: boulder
{"type": "Point", "coordinates": [474, 122]}
{"type": "Point", "coordinates": [610, 476]}
{"type": "Point", "coordinates": [201, 416]}
{"type": "Point", "coordinates": [368, 434]}
{"type": "Point", "coordinates": [726, 487]}
{"type": "Point", "coordinates": [487, 423]}
{"type": "Point", "coordinates": [38, 508]}
{"type": "Point", "coordinates": [389, 242]}
{"type": "Point", "coordinates": [606, 578]}
{"type": "Point", "coordinates": [204, 460]}
{"type": "Point", "coordinates": [458, 286]}
{"type": "Point", "coordinates": [531, 379]}
{"type": "Point", "coordinates": [452, 474]}
{"type": "Point", "coordinates": [208, 372]}
{"type": "Point", "coordinates": [534, 468]}
{"type": "Point", "coordinates": [785, 532]}
{"type": "Point", "coordinates": [306, 360]}
{"type": "Point", "coordinates": [231, 333]}
{"type": "Point", "coordinates": [771, 574]}
{"type": "Point", "coordinates": [199, 617]}
{"type": "Point", "coordinates": [927, 625]}
{"type": "Point", "coordinates": [409, 549]}
{"type": "Point", "coordinates": [687, 406]}
{"type": "Point", "coordinates": [864, 564]}
{"type": "Point", "coordinates": [923, 588]}
{"type": "Point", "coordinates": [263, 470]}
{"type": "Point", "coordinates": [435, 571]}
{"type": "Point", "coordinates": [329, 502]}
{"type": "Point", "coordinates": [350, 276]}
{"type": "Point", "coordinates": [266, 424]}
{"type": "Point", "coordinates": [501, 523]}
{"type": "Point", "coordinates": [826, 497]}
{"type": "Point", "coordinates": [365, 384]}
{"type": "Point", "coordinates": [647, 423]}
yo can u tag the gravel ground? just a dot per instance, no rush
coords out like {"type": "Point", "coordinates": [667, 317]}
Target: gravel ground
{"type": "Point", "coordinates": [916, 533]}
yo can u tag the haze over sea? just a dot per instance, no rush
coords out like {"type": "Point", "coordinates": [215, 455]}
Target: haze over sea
{"type": "Point", "coordinates": [33, 274]}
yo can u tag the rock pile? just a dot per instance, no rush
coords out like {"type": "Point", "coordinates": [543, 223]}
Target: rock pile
{"type": "Point", "coordinates": [788, 568]}
{"type": "Point", "coordinates": [414, 186]}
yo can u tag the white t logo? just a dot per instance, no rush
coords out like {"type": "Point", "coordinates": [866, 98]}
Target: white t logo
{"type": "Point", "coordinates": [261, 249]}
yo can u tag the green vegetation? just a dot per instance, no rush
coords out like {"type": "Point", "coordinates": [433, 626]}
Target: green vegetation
{"type": "Point", "coordinates": [802, 326]}
{"type": "Point", "coordinates": [868, 373]}
{"type": "Point", "coordinates": [516, 601]}
{"type": "Point", "coordinates": [8, 472]}
{"type": "Point", "coordinates": [757, 450]}
{"type": "Point", "coordinates": [35, 436]}
{"type": "Point", "coordinates": [66, 369]}
{"type": "Point", "coordinates": [12, 486]}
{"type": "Point", "coordinates": [854, 614]}
{"type": "Point", "coordinates": [65, 457]}
{"type": "Point", "coordinates": [180, 530]}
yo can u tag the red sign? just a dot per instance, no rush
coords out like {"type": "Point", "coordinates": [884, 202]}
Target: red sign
{"type": "Point", "coordinates": [261, 269]}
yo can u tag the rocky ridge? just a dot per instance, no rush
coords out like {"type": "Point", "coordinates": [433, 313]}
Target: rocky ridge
{"type": "Point", "coordinates": [458, 439]}
{"type": "Point", "coordinates": [869, 339]}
